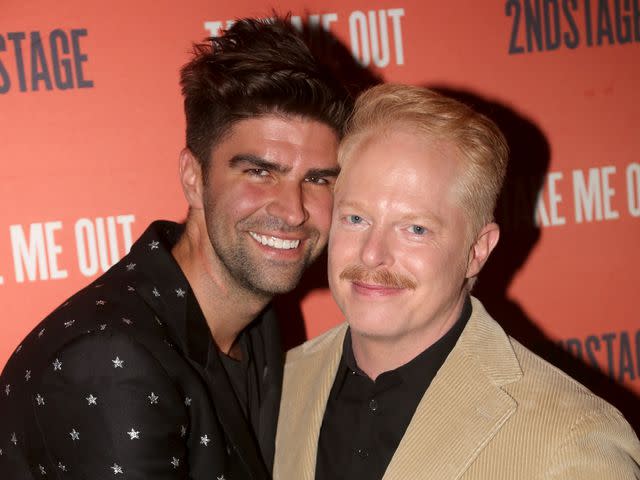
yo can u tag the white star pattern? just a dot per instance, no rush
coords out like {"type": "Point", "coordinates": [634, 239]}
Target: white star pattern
{"type": "Point", "coordinates": [204, 440]}
{"type": "Point", "coordinates": [127, 321]}
{"type": "Point", "coordinates": [43, 471]}
{"type": "Point", "coordinates": [116, 469]}
{"type": "Point", "coordinates": [57, 365]}
{"type": "Point", "coordinates": [100, 302]}
{"type": "Point", "coordinates": [183, 430]}
{"type": "Point", "coordinates": [187, 401]}
{"type": "Point", "coordinates": [39, 399]}
{"type": "Point", "coordinates": [69, 323]}
{"type": "Point", "coordinates": [27, 375]}
{"type": "Point", "coordinates": [180, 293]}
{"type": "Point", "coordinates": [155, 292]}
{"type": "Point", "coordinates": [7, 389]}
{"type": "Point", "coordinates": [14, 439]}
{"type": "Point", "coordinates": [74, 435]}
{"type": "Point", "coordinates": [131, 266]}
{"type": "Point", "coordinates": [41, 332]}
{"type": "Point", "coordinates": [175, 462]}
{"type": "Point", "coordinates": [62, 466]}
{"type": "Point", "coordinates": [130, 288]}
{"type": "Point", "coordinates": [91, 400]}
{"type": "Point", "coordinates": [103, 326]}
{"type": "Point", "coordinates": [154, 245]}
{"type": "Point", "coordinates": [133, 434]}
{"type": "Point", "coordinates": [221, 477]}
{"type": "Point", "coordinates": [153, 398]}
{"type": "Point", "coordinates": [117, 363]}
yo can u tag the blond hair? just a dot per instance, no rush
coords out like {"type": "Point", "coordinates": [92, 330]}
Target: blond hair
{"type": "Point", "coordinates": [484, 149]}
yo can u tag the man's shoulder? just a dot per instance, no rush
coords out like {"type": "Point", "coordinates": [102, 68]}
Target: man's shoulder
{"type": "Point", "coordinates": [329, 340]}
{"type": "Point", "coordinates": [107, 304]}
{"type": "Point", "coordinates": [539, 387]}
{"type": "Point", "coordinates": [548, 386]}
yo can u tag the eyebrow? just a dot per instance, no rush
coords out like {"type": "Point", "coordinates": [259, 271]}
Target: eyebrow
{"type": "Point", "coordinates": [259, 162]}
{"type": "Point", "coordinates": [323, 172]}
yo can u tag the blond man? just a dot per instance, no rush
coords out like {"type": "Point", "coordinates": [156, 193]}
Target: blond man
{"type": "Point", "coordinates": [421, 383]}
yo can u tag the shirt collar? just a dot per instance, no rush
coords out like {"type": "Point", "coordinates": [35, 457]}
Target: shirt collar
{"type": "Point", "coordinates": [417, 372]}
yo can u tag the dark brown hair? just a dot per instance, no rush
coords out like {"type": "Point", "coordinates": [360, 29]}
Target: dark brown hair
{"type": "Point", "coordinates": [256, 67]}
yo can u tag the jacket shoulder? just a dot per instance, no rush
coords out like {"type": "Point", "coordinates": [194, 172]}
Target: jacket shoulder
{"type": "Point", "coordinates": [551, 383]}
{"type": "Point", "coordinates": [106, 305]}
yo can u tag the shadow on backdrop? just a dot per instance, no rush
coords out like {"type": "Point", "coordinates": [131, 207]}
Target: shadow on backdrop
{"type": "Point", "coordinates": [528, 165]}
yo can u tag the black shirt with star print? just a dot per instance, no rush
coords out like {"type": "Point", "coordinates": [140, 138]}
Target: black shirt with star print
{"type": "Point", "coordinates": [124, 380]}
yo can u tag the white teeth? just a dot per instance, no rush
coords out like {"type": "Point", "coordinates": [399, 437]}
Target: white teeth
{"type": "Point", "coordinates": [275, 242]}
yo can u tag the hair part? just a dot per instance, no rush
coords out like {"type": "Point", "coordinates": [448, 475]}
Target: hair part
{"type": "Point", "coordinates": [257, 67]}
{"type": "Point", "coordinates": [482, 146]}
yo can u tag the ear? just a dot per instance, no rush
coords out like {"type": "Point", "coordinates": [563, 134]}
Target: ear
{"type": "Point", "coordinates": [191, 178]}
{"type": "Point", "coordinates": [484, 244]}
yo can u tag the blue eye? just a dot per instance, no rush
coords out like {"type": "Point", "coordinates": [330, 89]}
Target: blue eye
{"type": "Point", "coordinates": [354, 219]}
{"type": "Point", "coordinates": [417, 230]}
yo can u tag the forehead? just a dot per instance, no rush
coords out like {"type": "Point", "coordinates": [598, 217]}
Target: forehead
{"type": "Point", "coordinates": [273, 137]}
{"type": "Point", "coordinates": [404, 163]}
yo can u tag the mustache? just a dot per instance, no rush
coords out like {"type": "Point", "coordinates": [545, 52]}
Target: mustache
{"type": "Point", "coordinates": [384, 278]}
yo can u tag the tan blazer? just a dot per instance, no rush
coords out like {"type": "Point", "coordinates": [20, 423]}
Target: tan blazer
{"type": "Point", "coordinates": [494, 411]}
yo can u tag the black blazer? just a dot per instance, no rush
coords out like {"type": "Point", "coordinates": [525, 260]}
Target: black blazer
{"type": "Point", "coordinates": [122, 381]}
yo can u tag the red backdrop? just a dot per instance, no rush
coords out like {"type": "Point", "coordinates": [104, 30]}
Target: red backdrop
{"type": "Point", "coordinates": [91, 126]}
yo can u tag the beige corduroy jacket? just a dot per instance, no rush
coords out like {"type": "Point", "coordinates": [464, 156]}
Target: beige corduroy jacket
{"type": "Point", "coordinates": [494, 411]}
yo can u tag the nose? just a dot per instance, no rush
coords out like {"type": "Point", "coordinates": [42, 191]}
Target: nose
{"type": "Point", "coordinates": [376, 249]}
{"type": "Point", "coordinates": [288, 204]}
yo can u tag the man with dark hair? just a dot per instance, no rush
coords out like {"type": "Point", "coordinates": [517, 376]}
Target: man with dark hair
{"type": "Point", "coordinates": [169, 365]}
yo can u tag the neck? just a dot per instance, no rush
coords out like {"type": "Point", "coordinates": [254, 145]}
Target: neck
{"type": "Point", "coordinates": [227, 307]}
{"type": "Point", "coordinates": [377, 354]}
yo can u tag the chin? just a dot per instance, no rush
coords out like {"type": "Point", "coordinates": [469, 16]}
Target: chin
{"type": "Point", "coordinates": [373, 328]}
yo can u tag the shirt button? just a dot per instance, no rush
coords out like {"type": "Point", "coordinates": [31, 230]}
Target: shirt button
{"type": "Point", "coordinates": [361, 452]}
{"type": "Point", "coordinates": [373, 405]}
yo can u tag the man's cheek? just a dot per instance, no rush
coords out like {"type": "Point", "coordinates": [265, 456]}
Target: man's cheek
{"type": "Point", "coordinates": [321, 214]}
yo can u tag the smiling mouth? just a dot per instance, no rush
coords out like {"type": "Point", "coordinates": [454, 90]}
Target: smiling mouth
{"type": "Point", "coordinates": [275, 242]}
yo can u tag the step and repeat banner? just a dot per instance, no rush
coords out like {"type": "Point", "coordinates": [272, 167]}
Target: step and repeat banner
{"type": "Point", "coordinates": [91, 126]}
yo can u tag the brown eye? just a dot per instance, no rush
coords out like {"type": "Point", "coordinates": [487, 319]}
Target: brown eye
{"type": "Point", "coordinates": [317, 180]}
{"type": "Point", "coordinates": [258, 172]}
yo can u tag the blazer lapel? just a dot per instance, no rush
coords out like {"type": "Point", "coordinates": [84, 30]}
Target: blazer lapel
{"type": "Point", "coordinates": [309, 374]}
{"type": "Point", "coordinates": [463, 408]}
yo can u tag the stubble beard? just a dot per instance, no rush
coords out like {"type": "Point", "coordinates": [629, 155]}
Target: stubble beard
{"type": "Point", "coordinates": [259, 276]}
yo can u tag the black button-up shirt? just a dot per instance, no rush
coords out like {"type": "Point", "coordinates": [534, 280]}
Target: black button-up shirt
{"type": "Point", "coordinates": [365, 419]}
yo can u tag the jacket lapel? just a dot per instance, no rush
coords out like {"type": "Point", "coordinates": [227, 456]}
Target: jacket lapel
{"type": "Point", "coordinates": [463, 408]}
{"type": "Point", "coordinates": [309, 374]}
